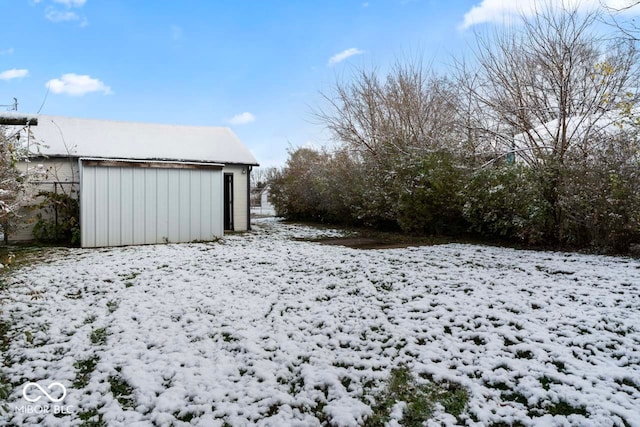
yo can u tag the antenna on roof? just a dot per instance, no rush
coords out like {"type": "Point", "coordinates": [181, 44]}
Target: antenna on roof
{"type": "Point", "coordinates": [13, 106]}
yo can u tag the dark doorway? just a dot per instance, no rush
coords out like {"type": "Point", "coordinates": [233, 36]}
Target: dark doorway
{"type": "Point", "coordinates": [228, 201]}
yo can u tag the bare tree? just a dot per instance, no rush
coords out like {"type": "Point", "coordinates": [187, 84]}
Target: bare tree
{"type": "Point", "coordinates": [260, 176]}
{"type": "Point", "coordinates": [553, 82]}
{"type": "Point", "coordinates": [618, 17]}
{"type": "Point", "coordinates": [483, 136]}
{"type": "Point", "coordinates": [555, 91]}
{"type": "Point", "coordinates": [404, 114]}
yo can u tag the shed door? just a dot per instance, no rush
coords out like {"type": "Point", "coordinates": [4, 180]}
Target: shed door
{"type": "Point", "coordinates": [142, 205]}
{"type": "Point", "coordinates": [228, 201]}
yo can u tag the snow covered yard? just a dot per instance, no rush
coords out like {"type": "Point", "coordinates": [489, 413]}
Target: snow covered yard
{"type": "Point", "coordinates": [264, 329]}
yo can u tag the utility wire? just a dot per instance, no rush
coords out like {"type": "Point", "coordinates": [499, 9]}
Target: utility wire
{"type": "Point", "coordinates": [44, 100]}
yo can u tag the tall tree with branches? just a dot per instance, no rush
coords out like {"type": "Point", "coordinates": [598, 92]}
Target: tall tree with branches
{"type": "Point", "coordinates": [388, 123]}
{"type": "Point", "coordinates": [554, 82]}
{"type": "Point", "coordinates": [556, 87]}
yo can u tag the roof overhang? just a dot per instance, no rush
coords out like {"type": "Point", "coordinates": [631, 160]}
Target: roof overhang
{"type": "Point", "coordinates": [18, 119]}
{"type": "Point", "coordinates": [158, 164]}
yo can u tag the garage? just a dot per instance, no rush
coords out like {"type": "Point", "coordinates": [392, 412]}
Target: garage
{"type": "Point", "coordinates": [140, 183]}
{"type": "Point", "coordinates": [133, 203]}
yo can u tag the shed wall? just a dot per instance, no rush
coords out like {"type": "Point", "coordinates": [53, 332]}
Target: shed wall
{"type": "Point", "coordinates": [240, 196]}
{"type": "Point", "coordinates": [133, 205]}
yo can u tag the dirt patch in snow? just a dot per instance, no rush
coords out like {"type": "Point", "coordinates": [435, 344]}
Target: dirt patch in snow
{"type": "Point", "coordinates": [368, 243]}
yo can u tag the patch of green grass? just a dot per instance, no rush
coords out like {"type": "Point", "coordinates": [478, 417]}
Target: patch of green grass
{"type": "Point", "coordinates": [524, 354]}
{"type": "Point", "coordinates": [74, 295]}
{"type": "Point", "coordinates": [273, 410]}
{"type": "Point", "coordinates": [508, 342]}
{"type": "Point", "coordinates": [420, 399]}
{"type": "Point", "coordinates": [227, 337]}
{"type": "Point", "coordinates": [91, 418]}
{"type": "Point", "coordinates": [565, 408]}
{"type": "Point", "coordinates": [515, 397]}
{"type": "Point", "coordinates": [453, 397]}
{"type": "Point", "coordinates": [504, 424]}
{"type": "Point", "coordinates": [387, 287]}
{"type": "Point", "coordinates": [123, 391]}
{"type": "Point", "coordinates": [477, 340]}
{"type": "Point", "coordinates": [518, 326]}
{"type": "Point", "coordinates": [562, 408]}
{"type": "Point", "coordinates": [546, 381]}
{"type": "Point", "coordinates": [84, 369]}
{"type": "Point", "coordinates": [628, 382]}
{"type": "Point", "coordinates": [318, 409]}
{"type": "Point", "coordinates": [112, 306]}
{"type": "Point", "coordinates": [98, 336]}
{"type": "Point", "coordinates": [498, 386]}
{"type": "Point", "coordinates": [14, 256]}
{"type": "Point", "coordinates": [560, 366]}
{"type": "Point", "coordinates": [5, 391]}
{"type": "Point", "coordinates": [5, 340]}
{"type": "Point", "coordinates": [185, 417]}
{"type": "Point", "coordinates": [130, 276]}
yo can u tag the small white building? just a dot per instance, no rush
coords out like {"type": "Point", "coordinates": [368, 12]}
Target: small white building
{"type": "Point", "coordinates": [143, 183]}
{"type": "Point", "coordinates": [265, 203]}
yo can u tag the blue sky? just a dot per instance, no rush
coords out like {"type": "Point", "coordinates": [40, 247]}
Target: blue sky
{"type": "Point", "coordinates": [254, 65]}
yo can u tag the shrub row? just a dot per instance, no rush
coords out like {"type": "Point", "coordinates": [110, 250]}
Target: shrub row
{"type": "Point", "coordinates": [584, 204]}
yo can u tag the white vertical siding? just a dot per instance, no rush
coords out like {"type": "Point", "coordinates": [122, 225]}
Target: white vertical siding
{"type": "Point", "coordinates": [151, 201]}
{"type": "Point", "coordinates": [140, 208]}
{"type": "Point", "coordinates": [162, 204]}
{"type": "Point", "coordinates": [114, 209]}
{"type": "Point", "coordinates": [194, 196]}
{"type": "Point", "coordinates": [184, 199]}
{"type": "Point", "coordinates": [123, 196]}
{"type": "Point", "coordinates": [100, 227]}
{"type": "Point", "coordinates": [173, 208]}
{"type": "Point", "coordinates": [134, 205]}
{"type": "Point", "coordinates": [240, 203]}
{"type": "Point", "coordinates": [88, 209]}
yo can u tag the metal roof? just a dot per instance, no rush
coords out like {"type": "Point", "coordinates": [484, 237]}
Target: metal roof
{"type": "Point", "coordinates": [76, 137]}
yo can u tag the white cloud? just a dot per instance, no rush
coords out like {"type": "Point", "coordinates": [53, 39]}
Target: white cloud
{"type": "Point", "coordinates": [71, 3]}
{"type": "Point", "coordinates": [242, 118]}
{"type": "Point", "coordinates": [55, 15]}
{"type": "Point", "coordinates": [339, 57]}
{"type": "Point", "coordinates": [501, 11]}
{"type": "Point", "coordinates": [14, 73]}
{"type": "Point", "coordinates": [77, 85]}
{"type": "Point", "coordinates": [7, 51]}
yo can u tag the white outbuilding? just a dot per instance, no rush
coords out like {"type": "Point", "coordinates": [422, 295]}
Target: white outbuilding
{"type": "Point", "coordinates": [142, 183]}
